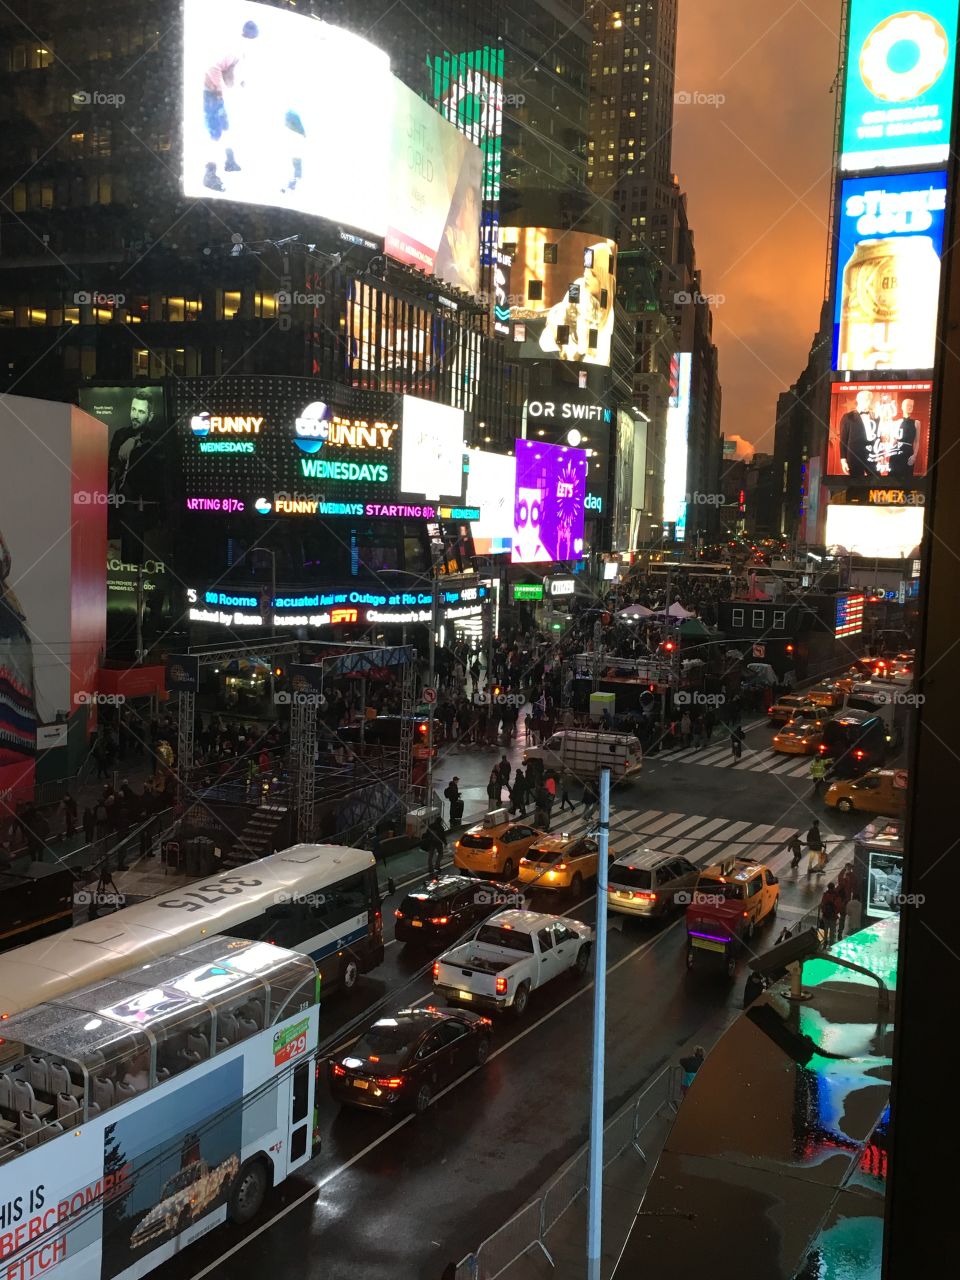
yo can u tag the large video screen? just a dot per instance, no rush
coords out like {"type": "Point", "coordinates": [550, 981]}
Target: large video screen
{"type": "Point", "coordinates": [879, 431]}
{"type": "Point", "coordinates": [549, 503]}
{"type": "Point", "coordinates": [279, 109]}
{"type": "Point", "coordinates": [899, 84]}
{"type": "Point", "coordinates": [563, 285]}
{"type": "Point", "coordinates": [284, 446]}
{"type": "Point", "coordinates": [677, 446]}
{"type": "Point", "coordinates": [434, 206]}
{"type": "Point", "coordinates": [491, 483]}
{"type": "Point", "coordinates": [431, 461]}
{"type": "Point", "coordinates": [885, 533]}
{"type": "Point", "coordinates": [890, 237]}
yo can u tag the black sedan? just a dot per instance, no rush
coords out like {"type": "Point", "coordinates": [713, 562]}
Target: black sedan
{"type": "Point", "coordinates": [401, 1063]}
{"type": "Point", "coordinates": [445, 908]}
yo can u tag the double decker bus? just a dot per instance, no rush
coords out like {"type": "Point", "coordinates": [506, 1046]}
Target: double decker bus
{"type": "Point", "coordinates": [319, 899]}
{"type": "Point", "coordinates": [138, 1113]}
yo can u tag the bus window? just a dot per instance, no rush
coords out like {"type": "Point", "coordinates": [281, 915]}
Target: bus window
{"type": "Point", "coordinates": [292, 989]}
{"type": "Point", "coordinates": [343, 902]}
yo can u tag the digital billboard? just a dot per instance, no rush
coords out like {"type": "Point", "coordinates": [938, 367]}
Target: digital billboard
{"type": "Point", "coordinates": [432, 454]}
{"type": "Point", "coordinates": [899, 84]}
{"type": "Point", "coordinates": [677, 445]}
{"type": "Point", "coordinates": [551, 487]}
{"type": "Point", "coordinates": [286, 446]}
{"type": "Point", "coordinates": [885, 533]}
{"type": "Point", "coordinates": [879, 431]}
{"type": "Point", "coordinates": [576, 418]}
{"type": "Point", "coordinates": [277, 110]}
{"type": "Point", "coordinates": [434, 205]}
{"type": "Point", "coordinates": [468, 90]}
{"type": "Point", "coordinates": [491, 482]}
{"type": "Point", "coordinates": [563, 285]}
{"type": "Point", "coordinates": [890, 237]}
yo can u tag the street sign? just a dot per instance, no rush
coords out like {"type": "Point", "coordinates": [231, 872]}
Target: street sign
{"type": "Point", "coordinates": [429, 694]}
{"type": "Point", "coordinates": [759, 650]}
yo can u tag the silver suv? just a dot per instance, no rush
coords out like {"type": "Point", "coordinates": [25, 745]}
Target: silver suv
{"type": "Point", "coordinates": [650, 884]}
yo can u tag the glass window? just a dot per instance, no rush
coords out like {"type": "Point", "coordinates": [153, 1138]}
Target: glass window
{"type": "Point", "coordinates": [736, 617]}
{"type": "Point", "coordinates": [758, 618]}
{"type": "Point", "coordinates": [432, 1043]}
{"type": "Point", "coordinates": [545, 938]}
{"type": "Point", "coordinates": [535, 290]}
{"type": "Point", "coordinates": [451, 1032]}
{"type": "Point", "coordinates": [230, 303]}
{"type": "Point", "coordinates": [550, 254]}
{"type": "Point", "coordinates": [779, 619]}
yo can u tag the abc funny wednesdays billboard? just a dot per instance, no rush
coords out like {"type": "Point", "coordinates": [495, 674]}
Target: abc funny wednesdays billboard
{"type": "Point", "coordinates": [287, 446]}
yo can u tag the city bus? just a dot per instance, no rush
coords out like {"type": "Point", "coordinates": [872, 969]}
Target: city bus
{"type": "Point", "coordinates": [320, 899]}
{"type": "Point", "coordinates": [179, 1091]}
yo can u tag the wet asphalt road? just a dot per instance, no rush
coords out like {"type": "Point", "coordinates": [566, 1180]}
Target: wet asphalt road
{"type": "Point", "coordinates": [392, 1200]}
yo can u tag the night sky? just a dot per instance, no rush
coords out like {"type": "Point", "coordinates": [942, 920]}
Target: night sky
{"type": "Point", "coordinates": [757, 170]}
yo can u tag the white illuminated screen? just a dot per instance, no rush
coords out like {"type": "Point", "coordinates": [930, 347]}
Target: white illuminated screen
{"type": "Point", "coordinates": [278, 109]}
{"type": "Point", "coordinates": [884, 532]}
{"type": "Point", "coordinates": [675, 461]}
{"type": "Point", "coordinates": [431, 454]}
{"type": "Point", "coordinates": [490, 486]}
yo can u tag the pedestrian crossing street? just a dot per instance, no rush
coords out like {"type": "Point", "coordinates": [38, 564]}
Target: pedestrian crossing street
{"type": "Point", "coordinates": [701, 840]}
{"type": "Point", "coordinates": [752, 761]}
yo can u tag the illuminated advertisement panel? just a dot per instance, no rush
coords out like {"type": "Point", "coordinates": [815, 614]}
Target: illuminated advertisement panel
{"type": "Point", "coordinates": [491, 483]}
{"type": "Point", "coordinates": [250, 608]}
{"type": "Point", "coordinates": [899, 84]}
{"type": "Point", "coordinates": [468, 90]}
{"type": "Point", "coordinates": [562, 290]}
{"type": "Point", "coordinates": [849, 616]}
{"type": "Point", "coordinates": [298, 447]}
{"type": "Point", "coordinates": [885, 533]}
{"type": "Point", "coordinates": [890, 237]}
{"type": "Point", "coordinates": [675, 458]}
{"type": "Point", "coordinates": [260, 89]}
{"type": "Point", "coordinates": [432, 455]}
{"type": "Point", "coordinates": [549, 503]}
{"type": "Point", "coordinates": [434, 207]}
{"type": "Point", "coordinates": [879, 431]}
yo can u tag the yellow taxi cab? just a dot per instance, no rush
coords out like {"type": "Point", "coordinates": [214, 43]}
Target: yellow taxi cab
{"type": "Point", "coordinates": [494, 849]}
{"type": "Point", "coordinates": [828, 693]}
{"type": "Point", "coordinates": [882, 791]}
{"type": "Point", "coordinates": [560, 862]}
{"type": "Point", "coordinates": [789, 706]}
{"type": "Point", "coordinates": [800, 737]}
{"type": "Point", "coordinates": [730, 901]}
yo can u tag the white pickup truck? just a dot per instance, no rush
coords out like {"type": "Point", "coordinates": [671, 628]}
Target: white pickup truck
{"type": "Point", "coordinates": [513, 954]}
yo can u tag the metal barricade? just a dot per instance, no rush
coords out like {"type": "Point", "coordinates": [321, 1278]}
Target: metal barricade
{"type": "Point", "coordinates": [561, 1193]}
{"type": "Point", "coordinates": [511, 1242]}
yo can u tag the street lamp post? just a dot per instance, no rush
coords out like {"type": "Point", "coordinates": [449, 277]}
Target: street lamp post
{"type": "Point", "coordinates": [595, 1185]}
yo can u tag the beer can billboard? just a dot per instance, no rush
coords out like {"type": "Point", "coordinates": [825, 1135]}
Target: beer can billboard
{"type": "Point", "coordinates": [887, 287]}
{"type": "Point", "coordinates": [879, 431]}
{"type": "Point", "coordinates": [899, 84]}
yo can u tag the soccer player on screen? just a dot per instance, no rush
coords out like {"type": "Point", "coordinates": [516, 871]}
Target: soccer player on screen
{"type": "Point", "coordinates": [220, 81]}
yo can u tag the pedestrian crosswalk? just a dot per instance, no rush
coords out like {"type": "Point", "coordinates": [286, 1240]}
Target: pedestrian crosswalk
{"type": "Point", "coordinates": [764, 760]}
{"type": "Point", "coordinates": [701, 840]}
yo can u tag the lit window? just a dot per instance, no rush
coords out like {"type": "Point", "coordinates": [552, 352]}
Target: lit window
{"type": "Point", "coordinates": [231, 303]}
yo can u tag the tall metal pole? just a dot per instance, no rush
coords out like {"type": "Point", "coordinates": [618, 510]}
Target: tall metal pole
{"type": "Point", "coordinates": [595, 1184]}
{"type": "Point", "coordinates": [432, 682]}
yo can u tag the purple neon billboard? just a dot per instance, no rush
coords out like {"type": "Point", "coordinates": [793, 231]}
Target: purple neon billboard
{"type": "Point", "coordinates": [548, 506]}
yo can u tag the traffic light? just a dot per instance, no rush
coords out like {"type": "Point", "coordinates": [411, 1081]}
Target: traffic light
{"type": "Point", "coordinates": [789, 648]}
{"type": "Point", "coordinates": [668, 646]}
{"type": "Point", "coordinates": [278, 672]}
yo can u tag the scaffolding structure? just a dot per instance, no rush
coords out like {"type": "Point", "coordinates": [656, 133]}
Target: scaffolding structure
{"type": "Point", "coordinates": [359, 661]}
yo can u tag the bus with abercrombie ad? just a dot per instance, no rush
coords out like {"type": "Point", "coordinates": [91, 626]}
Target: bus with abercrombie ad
{"type": "Point", "coordinates": [140, 1112]}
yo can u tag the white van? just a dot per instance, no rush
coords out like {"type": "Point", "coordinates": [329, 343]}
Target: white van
{"type": "Point", "coordinates": [582, 754]}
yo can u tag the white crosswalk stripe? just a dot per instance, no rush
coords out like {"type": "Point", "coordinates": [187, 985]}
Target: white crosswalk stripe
{"type": "Point", "coordinates": [701, 840]}
{"type": "Point", "coordinates": [721, 757]}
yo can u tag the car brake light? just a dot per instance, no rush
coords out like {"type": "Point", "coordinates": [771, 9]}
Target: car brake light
{"type": "Point", "coordinates": [398, 914]}
{"type": "Point", "coordinates": [645, 896]}
{"type": "Point", "coordinates": [501, 986]}
{"type": "Point", "coordinates": [338, 1070]}
{"type": "Point", "coordinates": [436, 970]}
{"type": "Point", "coordinates": [392, 1082]}
{"type": "Point", "coordinates": [485, 1022]}
{"type": "Point", "coordinates": [858, 755]}
{"type": "Point", "coordinates": [440, 920]}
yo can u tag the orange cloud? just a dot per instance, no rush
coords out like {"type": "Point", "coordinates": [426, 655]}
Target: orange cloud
{"type": "Point", "coordinates": [753, 148]}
